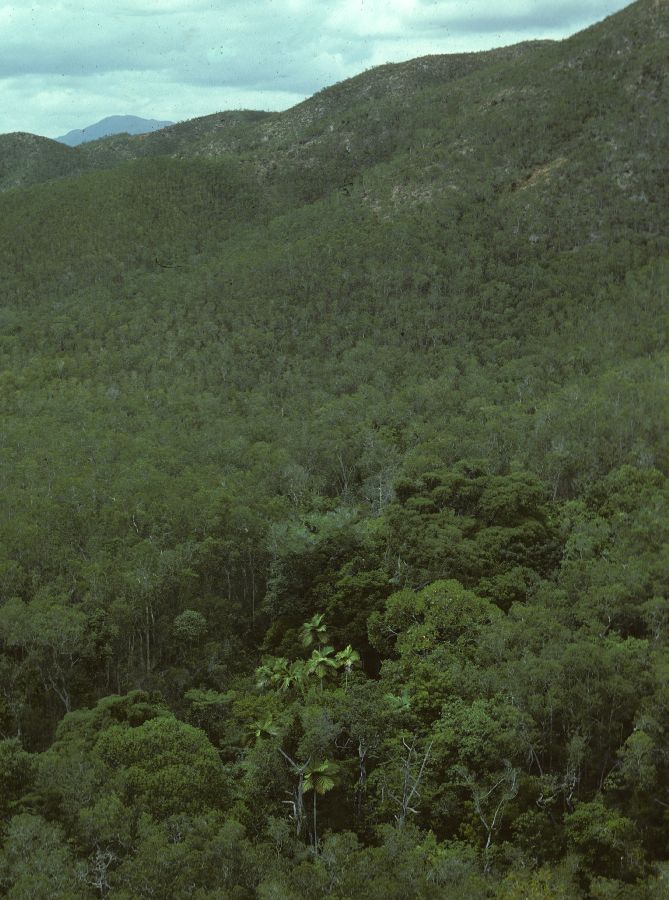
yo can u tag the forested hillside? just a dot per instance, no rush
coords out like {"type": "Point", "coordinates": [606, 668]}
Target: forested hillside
{"type": "Point", "coordinates": [334, 509]}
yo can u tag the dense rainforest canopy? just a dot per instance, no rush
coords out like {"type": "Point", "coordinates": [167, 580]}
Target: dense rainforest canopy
{"type": "Point", "coordinates": [334, 508]}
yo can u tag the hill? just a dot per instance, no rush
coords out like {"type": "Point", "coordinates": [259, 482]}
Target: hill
{"type": "Point", "coordinates": [111, 125]}
{"type": "Point", "coordinates": [27, 159]}
{"type": "Point", "coordinates": [334, 467]}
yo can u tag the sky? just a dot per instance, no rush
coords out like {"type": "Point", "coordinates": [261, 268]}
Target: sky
{"type": "Point", "coordinates": [68, 64]}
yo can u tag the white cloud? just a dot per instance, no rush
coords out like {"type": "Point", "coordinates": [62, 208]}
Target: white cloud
{"type": "Point", "coordinates": [67, 64]}
{"type": "Point", "coordinates": [370, 18]}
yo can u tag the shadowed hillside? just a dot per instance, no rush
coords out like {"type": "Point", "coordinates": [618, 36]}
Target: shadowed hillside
{"type": "Point", "coordinates": [27, 159]}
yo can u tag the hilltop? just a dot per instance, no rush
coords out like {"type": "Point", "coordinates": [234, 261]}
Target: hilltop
{"type": "Point", "coordinates": [369, 105]}
{"type": "Point", "coordinates": [30, 159]}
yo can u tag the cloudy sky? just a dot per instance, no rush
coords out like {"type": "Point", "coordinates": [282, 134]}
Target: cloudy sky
{"type": "Point", "coordinates": [67, 64]}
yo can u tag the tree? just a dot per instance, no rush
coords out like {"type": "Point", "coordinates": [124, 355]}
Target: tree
{"type": "Point", "coordinates": [274, 672]}
{"type": "Point", "coordinates": [16, 774]}
{"type": "Point", "coordinates": [52, 636]}
{"type": "Point", "coordinates": [314, 631]}
{"type": "Point", "coordinates": [402, 774]}
{"type": "Point", "coordinates": [347, 659]}
{"type": "Point", "coordinates": [606, 841]}
{"type": "Point", "coordinates": [490, 799]}
{"type": "Point", "coordinates": [190, 626]}
{"type": "Point", "coordinates": [260, 729]}
{"type": "Point", "coordinates": [321, 663]}
{"type": "Point", "coordinates": [320, 778]}
{"type": "Point", "coordinates": [164, 766]}
{"type": "Point", "coordinates": [37, 862]}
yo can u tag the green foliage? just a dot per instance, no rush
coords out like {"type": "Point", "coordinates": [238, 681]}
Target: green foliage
{"type": "Point", "coordinates": [16, 774]}
{"type": "Point", "coordinates": [333, 490]}
{"type": "Point", "coordinates": [607, 841]}
{"type": "Point", "coordinates": [190, 626]}
{"type": "Point", "coordinates": [467, 524]}
{"type": "Point", "coordinates": [184, 855]}
{"type": "Point", "coordinates": [314, 631]}
{"type": "Point", "coordinates": [320, 777]}
{"type": "Point", "coordinates": [36, 861]}
{"type": "Point", "coordinates": [165, 766]}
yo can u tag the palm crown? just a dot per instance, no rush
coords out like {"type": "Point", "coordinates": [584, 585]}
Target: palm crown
{"type": "Point", "coordinates": [314, 631]}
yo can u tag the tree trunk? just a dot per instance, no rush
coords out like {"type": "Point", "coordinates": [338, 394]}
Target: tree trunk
{"type": "Point", "coordinates": [315, 832]}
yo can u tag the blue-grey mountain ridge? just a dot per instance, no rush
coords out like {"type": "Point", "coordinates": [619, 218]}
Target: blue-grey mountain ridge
{"type": "Point", "coordinates": [111, 125]}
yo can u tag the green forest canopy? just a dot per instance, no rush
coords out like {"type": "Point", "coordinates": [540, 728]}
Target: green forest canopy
{"type": "Point", "coordinates": [333, 544]}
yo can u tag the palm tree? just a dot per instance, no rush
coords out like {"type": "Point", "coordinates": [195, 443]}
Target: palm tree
{"type": "Point", "coordinates": [277, 673]}
{"type": "Point", "coordinates": [347, 658]}
{"type": "Point", "coordinates": [314, 631]}
{"type": "Point", "coordinates": [400, 705]}
{"type": "Point", "coordinates": [261, 728]}
{"type": "Point", "coordinates": [321, 663]}
{"type": "Point", "coordinates": [319, 778]}
{"type": "Point", "coordinates": [272, 672]}
{"type": "Point", "coordinates": [295, 676]}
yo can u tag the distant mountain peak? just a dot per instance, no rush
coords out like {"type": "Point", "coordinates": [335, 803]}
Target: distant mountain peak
{"type": "Point", "coordinates": [111, 125]}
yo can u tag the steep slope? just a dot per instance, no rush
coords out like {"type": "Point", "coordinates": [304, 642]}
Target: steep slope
{"type": "Point", "coordinates": [322, 122]}
{"type": "Point", "coordinates": [524, 130]}
{"type": "Point", "coordinates": [375, 108]}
